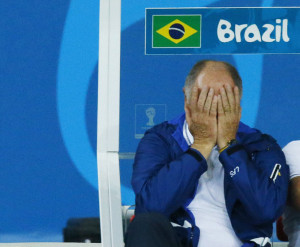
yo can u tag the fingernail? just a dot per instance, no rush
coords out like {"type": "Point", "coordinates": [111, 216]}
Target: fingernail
{"type": "Point", "coordinates": [211, 90]}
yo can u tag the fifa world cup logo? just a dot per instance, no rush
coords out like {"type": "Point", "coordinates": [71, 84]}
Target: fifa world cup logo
{"type": "Point", "coordinates": [150, 113]}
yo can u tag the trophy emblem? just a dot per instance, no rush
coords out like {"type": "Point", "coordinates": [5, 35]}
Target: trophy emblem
{"type": "Point", "coordinates": [150, 113]}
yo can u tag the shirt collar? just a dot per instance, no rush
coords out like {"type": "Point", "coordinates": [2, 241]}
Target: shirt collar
{"type": "Point", "coordinates": [187, 134]}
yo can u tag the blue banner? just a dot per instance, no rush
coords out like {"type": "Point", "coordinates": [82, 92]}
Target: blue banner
{"type": "Point", "coordinates": [223, 31]}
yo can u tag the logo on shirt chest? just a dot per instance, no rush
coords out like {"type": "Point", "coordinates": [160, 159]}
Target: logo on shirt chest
{"type": "Point", "coordinates": [234, 172]}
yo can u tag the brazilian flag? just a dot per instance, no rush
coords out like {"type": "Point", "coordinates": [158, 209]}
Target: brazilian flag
{"type": "Point", "coordinates": [176, 31]}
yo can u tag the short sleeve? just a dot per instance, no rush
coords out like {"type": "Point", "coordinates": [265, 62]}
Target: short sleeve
{"type": "Point", "coordinates": [292, 155]}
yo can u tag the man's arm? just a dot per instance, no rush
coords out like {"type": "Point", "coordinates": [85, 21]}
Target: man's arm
{"type": "Point", "coordinates": [294, 193]}
{"type": "Point", "coordinates": [256, 168]}
{"type": "Point", "coordinates": [258, 172]}
{"type": "Point", "coordinates": [160, 184]}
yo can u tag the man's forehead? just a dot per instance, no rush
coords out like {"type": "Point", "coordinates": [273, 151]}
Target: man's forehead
{"type": "Point", "coordinates": [215, 72]}
{"type": "Point", "coordinates": [214, 76]}
{"type": "Point", "coordinates": [215, 66]}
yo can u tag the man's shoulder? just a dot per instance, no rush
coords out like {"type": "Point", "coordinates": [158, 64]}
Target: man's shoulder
{"type": "Point", "coordinates": [265, 144]}
{"type": "Point", "coordinates": [245, 129]}
{"type": "Point", "coordinates": [170, 132]}
{"type": "Point", "coordinates": [164, 128]}
{"type": "Point", "coordinates": [248, 135]}
{"type": "Point", "coordinates": [168, 127]}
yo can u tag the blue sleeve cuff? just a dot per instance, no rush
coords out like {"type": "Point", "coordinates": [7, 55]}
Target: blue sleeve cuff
{"type": "Point", "coordinates": [233, 148]}
{"type": "Point", "coordinates": [196, 154]}
{"type": "Point", "coordinates": [201, 161]}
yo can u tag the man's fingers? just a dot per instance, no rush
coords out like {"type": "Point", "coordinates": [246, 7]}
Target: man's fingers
{"type": "Point", "coordinates": [224, 100]}
{"type": "Point", "coordinates": [220, 106]}
{"type": "Point", "coordinates": [237, 98]}
{"type": "Point", "coordinates": [194, 97]}
{"type": "Point", "coordinates": [230, 96]}
{"type": "Point", "coordinates": [202, 97]}
{"type": "Point", "coordinates": [214, 106]}
{"type": "Point", "coordinates": [209, 99]}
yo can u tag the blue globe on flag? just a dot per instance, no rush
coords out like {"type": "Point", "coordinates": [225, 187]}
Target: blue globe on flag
{"type": "Point", "coordinates": [176, 31]}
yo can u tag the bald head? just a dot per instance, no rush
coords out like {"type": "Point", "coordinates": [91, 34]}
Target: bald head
{"type": "Point", "coordinates": [213, 74]}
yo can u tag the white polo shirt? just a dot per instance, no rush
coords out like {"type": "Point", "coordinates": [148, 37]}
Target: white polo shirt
{"type": "Point", "coordinates": [291, 217]}
{"type": "Point", "coordinates": [208, 205]}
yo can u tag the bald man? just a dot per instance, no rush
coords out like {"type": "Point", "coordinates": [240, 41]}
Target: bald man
{"type": "Point", "coordinates": [205, 178]}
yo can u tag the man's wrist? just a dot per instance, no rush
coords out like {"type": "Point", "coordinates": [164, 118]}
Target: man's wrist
{"type": "Point", "coordinates": [205, 150]}
{"type": "Point", "coordinates": [223, 141]}
{"type": "Point", "coordinates": [227, 145]}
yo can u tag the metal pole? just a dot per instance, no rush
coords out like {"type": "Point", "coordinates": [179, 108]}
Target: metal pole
{"type": "Point", "coordinates": [108, 123]}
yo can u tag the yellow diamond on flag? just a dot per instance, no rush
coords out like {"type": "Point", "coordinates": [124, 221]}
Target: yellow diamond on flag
{"type": "Point", "coordinates": [176, 31]}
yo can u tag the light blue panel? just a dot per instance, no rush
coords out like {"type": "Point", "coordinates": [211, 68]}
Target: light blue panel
{"type": "Point", "coordinates": [251, 85]}
{"type": "Point", "coordinates": [78, 58]}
